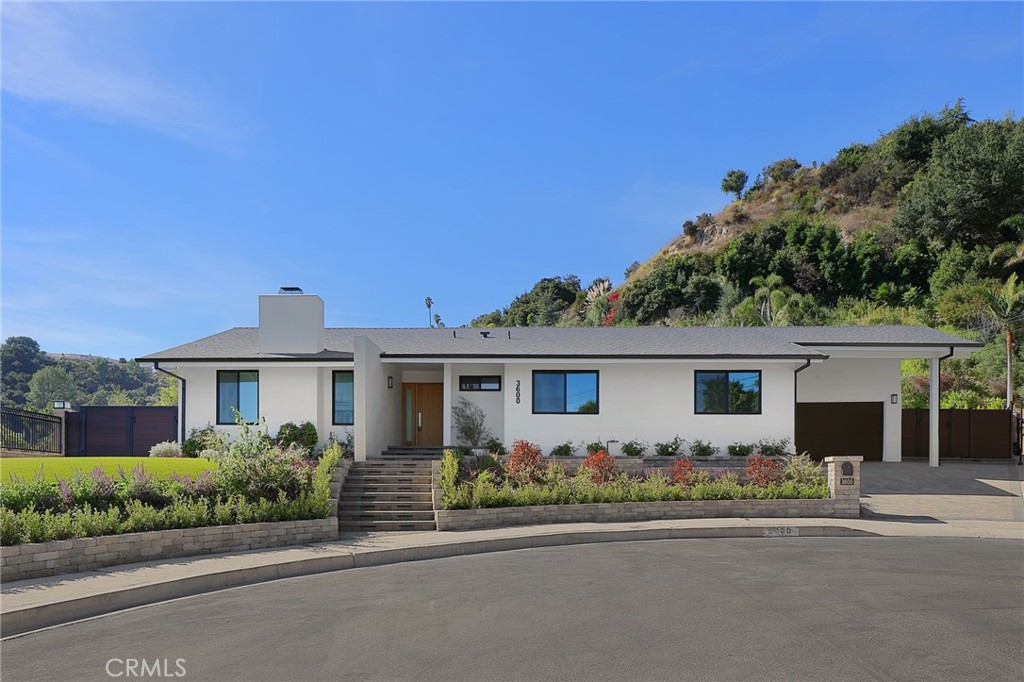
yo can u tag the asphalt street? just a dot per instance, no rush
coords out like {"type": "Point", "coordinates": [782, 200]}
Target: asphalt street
{"type": "Point", "coordinates": [740, 609]}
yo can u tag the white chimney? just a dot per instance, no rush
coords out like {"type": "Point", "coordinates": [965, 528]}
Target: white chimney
{"type": "Point", "coordinates": [291, 322]}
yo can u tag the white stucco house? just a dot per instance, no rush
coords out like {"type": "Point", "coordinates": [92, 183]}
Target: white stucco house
{"type": "Point", "coordinates": [831, 390]}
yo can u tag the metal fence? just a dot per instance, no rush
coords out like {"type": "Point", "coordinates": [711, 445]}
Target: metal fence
{"type": "Point", "coordinates": [30, 431]}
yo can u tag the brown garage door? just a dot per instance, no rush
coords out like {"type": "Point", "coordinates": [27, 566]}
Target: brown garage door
{"type": "Point", "coordinates": [824, 429]}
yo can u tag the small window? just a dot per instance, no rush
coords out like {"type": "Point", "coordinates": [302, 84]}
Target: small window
{"type": "Point", "coordinates": [565, 392]}
{"type": "Point", "coordinates": [344, 399]}
{"type": "Point", "coordinates": [475, 383]}
{"type": "Point", "coordinates": [727, 392]}
{"type": "Point", "coordinates": [238, 391]}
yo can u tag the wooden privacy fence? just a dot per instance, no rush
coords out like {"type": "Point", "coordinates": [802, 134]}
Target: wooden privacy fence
{"type": "Point", "coordinates": [975, 434]}
{"type": "Point", "coordinates": [119, 431]}
{"type": "Point", "coordinates": [27, 431]}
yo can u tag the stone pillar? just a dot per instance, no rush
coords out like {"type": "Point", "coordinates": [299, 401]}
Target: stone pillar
{"type": "Point", "coordinates": [933, 413]}
{"type": "Point", "coordinates": [63, 414]}
{"type": "Point", "coordinates": [843, 474]}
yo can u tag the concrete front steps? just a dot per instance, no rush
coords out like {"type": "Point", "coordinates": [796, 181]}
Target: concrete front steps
{"type": "Point", "coordinates": [387, 494]}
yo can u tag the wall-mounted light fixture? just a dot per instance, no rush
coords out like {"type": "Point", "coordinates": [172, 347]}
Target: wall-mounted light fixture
{"type": "Point", "coordinates": [894, 398]}
{"type": "Point", "coordinates": [60, 405]}
{"type": "Point", "coordinates": [391, 382]}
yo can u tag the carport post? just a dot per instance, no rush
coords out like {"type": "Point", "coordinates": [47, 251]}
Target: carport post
{"type": "Point", "coordinates": [933, 413]}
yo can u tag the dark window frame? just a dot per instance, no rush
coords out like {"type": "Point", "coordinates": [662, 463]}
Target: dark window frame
{"type": "Point", "coordinates": [237, 372]}
{"type": "Point", "coordinates": [334, 396]}
{"type": "Point", "coordinates": [565, 391]}
{"type": "Point", "coordinates": [760, 390]}
{"type": "Point", "coordinates": [479, 378]}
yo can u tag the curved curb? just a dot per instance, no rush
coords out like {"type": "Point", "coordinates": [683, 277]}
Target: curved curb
{"type": "Point", "coordinates": [21, 621]}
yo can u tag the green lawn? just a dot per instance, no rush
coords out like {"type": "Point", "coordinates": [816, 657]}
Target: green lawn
{"type": "Point", "coordinates": [62, 467]}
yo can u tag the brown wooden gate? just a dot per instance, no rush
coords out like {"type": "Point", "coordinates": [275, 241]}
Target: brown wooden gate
{"type": "Point", "coordinates": [119, 431]}
{"type": "Point", "coordinates": [824, 429]}
{"type": "Point", "coordinates": [974, 434]}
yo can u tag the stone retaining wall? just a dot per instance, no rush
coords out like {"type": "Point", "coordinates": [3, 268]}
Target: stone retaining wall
{"type": "Point", "coordinates": [34, 560]}
{"type": "Point", "coordinates": [843, 502]}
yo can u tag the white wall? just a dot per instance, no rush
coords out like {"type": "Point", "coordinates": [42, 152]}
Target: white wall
{"type": "Point", "coordinates": [650, 402]}
{"type": "Point", "coordinates": [286, 394]}
{"type": "Point", "coordinates": [378, 408]}
{"type": "Point", "coordinates": [841, 380]}
{"type": "Point", "coordinates": [491, 402]}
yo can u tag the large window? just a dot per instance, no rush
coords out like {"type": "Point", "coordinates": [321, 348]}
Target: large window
{"type": "Point", "coordinates": [727, 392]}
{"type": "Point", "coordinates": [565, 392]}
{"type": "Point", "coordinates": [238, 390]}
{"type": "Point", "coordinates": [479, 383]}
{"type": "Point", "coordinates": [344, 399]}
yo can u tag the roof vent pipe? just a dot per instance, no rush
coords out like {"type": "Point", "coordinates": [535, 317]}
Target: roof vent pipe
{"type": "Point", "coordinates": [486, 335]}
{"type": "Point", "coordinates": [290, 290]}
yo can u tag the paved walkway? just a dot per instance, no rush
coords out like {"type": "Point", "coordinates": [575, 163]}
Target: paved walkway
{"type": "Point", "coordinates": [959, 500]}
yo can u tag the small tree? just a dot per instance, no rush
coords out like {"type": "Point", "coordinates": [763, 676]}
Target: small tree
{"type": "Point", "coordinates": [734, 182]}
{"type": "Point", "coordinates": [469, 421]}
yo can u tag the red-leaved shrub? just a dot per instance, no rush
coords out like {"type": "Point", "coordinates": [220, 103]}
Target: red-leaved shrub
{"type": "Point", "coordinates": [524, 461]}
{"type": "Point", "coordinates": [681, 471]}
{"type": "Point", "coordinates": [763, 471]}
{"type": "Point", "coordinates": [601, 467]}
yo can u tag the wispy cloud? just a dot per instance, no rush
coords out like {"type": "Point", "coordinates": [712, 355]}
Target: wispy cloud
{"type": "Point", "coordinates": [77, 56]}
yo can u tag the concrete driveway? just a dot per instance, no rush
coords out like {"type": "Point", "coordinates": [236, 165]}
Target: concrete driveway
{"type": "Point", "coordinates": [954, 491]}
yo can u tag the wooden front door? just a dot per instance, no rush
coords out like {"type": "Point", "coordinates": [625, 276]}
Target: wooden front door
{"type": "Point", "coordinates": [422, 406]}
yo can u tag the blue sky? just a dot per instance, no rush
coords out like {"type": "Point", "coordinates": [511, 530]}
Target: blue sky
{"type": "Point", "coordinates": [162, 164]}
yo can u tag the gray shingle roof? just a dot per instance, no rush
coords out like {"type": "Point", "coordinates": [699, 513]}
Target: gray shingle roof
{"type": "Point", "coordinates": [241, 343]}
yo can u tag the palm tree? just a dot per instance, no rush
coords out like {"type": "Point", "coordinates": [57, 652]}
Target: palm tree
{"type": "Point", "coordinates": [430, 304]}
{"type": "Point", "coordinates": [770, 295]}
{"type": "Point", "coordinates": [1006, 307]}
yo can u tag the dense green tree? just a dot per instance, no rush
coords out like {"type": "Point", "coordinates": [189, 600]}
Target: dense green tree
{"type": "Point", "coordinates": [168, 393]}
{"type": "Point", "coordinates": [734, 182]}
{"type": "Point", "coordinates": [971, 186]}
{"type": "Point", "coordinates": [20, 358]}
{"type": "Point", "coordinates": [49, 384]}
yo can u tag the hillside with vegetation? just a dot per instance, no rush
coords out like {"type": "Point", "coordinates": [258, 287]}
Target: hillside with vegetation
{"type": "Point", "coordinates": [924, 225]}
{"type": "Point", "coordinates": [32, 379]}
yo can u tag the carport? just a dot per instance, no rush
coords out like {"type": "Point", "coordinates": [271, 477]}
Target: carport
{"type": "Point", "coordinates": [851, 403]}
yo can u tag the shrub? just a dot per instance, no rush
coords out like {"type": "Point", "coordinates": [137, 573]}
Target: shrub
{"type": "Point", "coordinates": [469, 421]}
{"type": "Point", "coordinates": [681, 471]}
{"type": "Point", "coordinates": [740, 449]}
{"type": "Point", "coordinates": [763, 471]}
{"type": "Point", "coordinates": [773, 448]}
{"type": "Point", "coordinates": [670, 448]}
{"type": "Point", "coordinates": [803, 470]}
{"type": "Point", "coordinates": [634, 448]}
{"type": "Point", "coordinates": [596, 446]}
{"type": "Point", "coordinates": [206, 438]}
{"type": "Point", "coordinates": [524, 462]}
{"type": "Point", "coordinates": [566, 449]}
{"type": "Point", "coordinates": [496, 447]}
{"type": "Point", "coordinates": [37, 494]}
{"type": "Point", "coordinates": [488, 463]}
{"type": "Point", "coordinates": [303, 436]}
{"type": "Point", "coordinates": [600, 466]}
{"type": "Point", "coordinates": [702, 448]}
{"type": "Point", "coordinates": [167, 448]}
